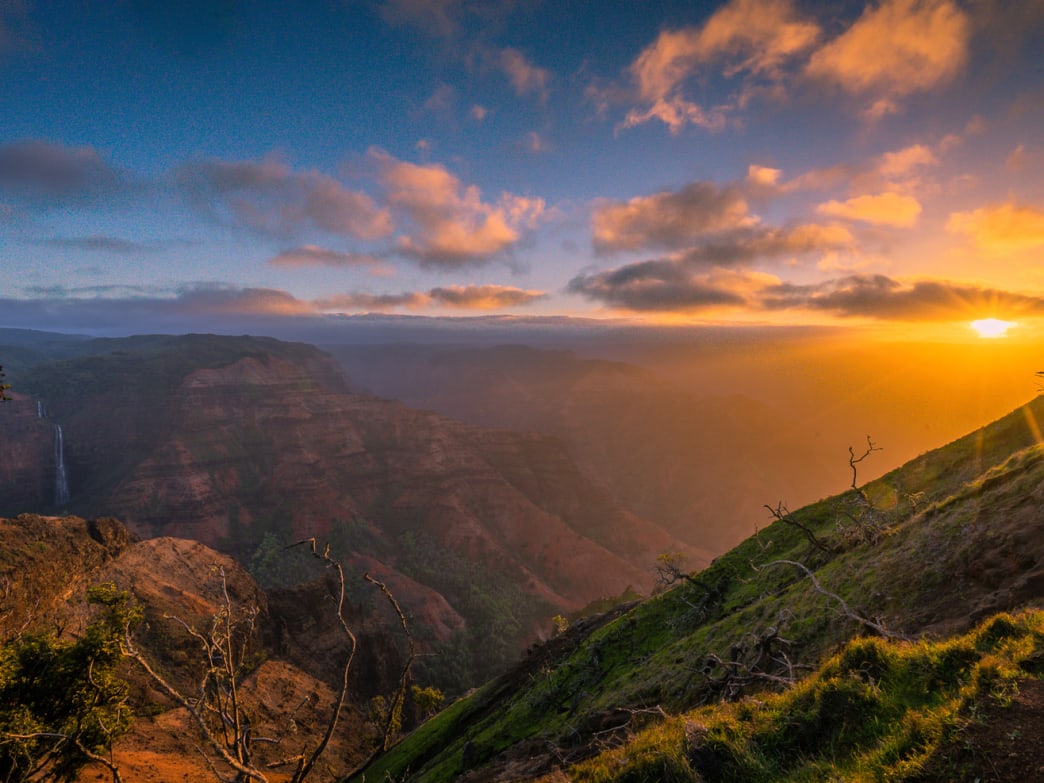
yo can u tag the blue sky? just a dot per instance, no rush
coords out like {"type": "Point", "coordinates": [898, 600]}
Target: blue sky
{"type": "Point", "coordinates": [167, 166]}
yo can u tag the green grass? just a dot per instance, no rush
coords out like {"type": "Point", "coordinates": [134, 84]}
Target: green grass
{"type": "Point", "coordinates": [876, 711]}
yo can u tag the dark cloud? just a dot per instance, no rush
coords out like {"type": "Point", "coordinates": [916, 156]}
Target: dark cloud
{"type": "Point", "coordinates": [270, 197]}
{"type": "Point", "coordinates": [46, 174]}
{"type": "Point", "coordinates": [662, 285]}
{"type": "Point", "coordinates": [878, 296]}
{"type": "Point", "coordinates": [710, 274]}
{"type": "Point", "coordinates": [670, 220]}
{"type": "Point", "coordinates": [749, 245]}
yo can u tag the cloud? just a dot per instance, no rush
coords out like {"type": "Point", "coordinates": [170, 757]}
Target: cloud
{"type": "Point", "coordinates": [905, 162]}
{"type": "Point", "coordinates": [478, 113]}
{"type": "Point", "coordinates": [895, 49]}
{"type": "Point", "coordinates": [885, 209]}
{"type": "Point", "coordinates": [452, 225]}
{"type": "Point", "coordinates": [763, 177]}
{"type": "Point", "coordinates": [313, 255]}
{"type": "Point", "coordinates": [881, 297]}
{"type": "Point", "coordinates": [355, 302]}
{"type": "Point", "coordinates": [484, 297]}
{"type": "Point", "coordinates": [669, 219]}
{"type": "Point", "coordinates": [525, 77]}
{"type": "Point", "coordinates": [100, 244]}
{"type": "Point", "coordinates": [665, 285]}
{"type": "Point", "coordinates": [269, 197]}
{"type": "Point", "coordinates": [752, 37]}
{"type": "Point", "coordinates": [1002, 228]}
{"type": "Point", "coordinates": [762, 243]}
{"type": "Point", "coordinates": [902, 171]}
{"type": "Point", "coordinates": [48, 174]}
{"type": "Point", "coordinates": [120, 309]}
{"type": "Point", "coordinates": [442, 101]}
{"type": "Point", "coordinates": [466, 297]}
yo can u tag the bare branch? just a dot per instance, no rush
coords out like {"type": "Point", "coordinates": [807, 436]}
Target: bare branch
{"type": "Point", "coordinates": [782, 514]}
{"type": "Point", "coordinates": [305, 765]}
{"type": "Point", "coordinates": [845, 608]}
{"type": "Point", "coordinates": [400, 696]}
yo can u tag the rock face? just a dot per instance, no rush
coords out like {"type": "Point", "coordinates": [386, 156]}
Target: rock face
{"type": "Point", "coordinates": [43, 560]}
{"type": "Point", "coordinates": [27, 469]}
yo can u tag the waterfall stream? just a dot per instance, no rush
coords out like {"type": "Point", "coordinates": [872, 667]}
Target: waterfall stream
{"type": "Point", "coordinates": [61, 479]}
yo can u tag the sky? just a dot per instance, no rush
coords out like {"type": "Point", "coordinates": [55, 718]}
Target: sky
{"type": "Point", "coordinates": [248, 166]}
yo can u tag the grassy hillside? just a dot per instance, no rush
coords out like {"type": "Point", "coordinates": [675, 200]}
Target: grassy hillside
{"type": "Point", "coordinates": [949, 539]}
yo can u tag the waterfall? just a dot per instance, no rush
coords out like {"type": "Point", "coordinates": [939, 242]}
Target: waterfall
{"type": "Point", "coordinates": [40, 413]}
{"type": "Point", "coordinates": [61, 480]}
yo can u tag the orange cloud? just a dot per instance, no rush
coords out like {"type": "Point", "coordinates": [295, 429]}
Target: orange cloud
{"type": "Point", "coordinates": [670, 219]}
{"type": "Point", "coordinates": [1002, 228]}
{"type": "Point", "coordinates": [453, 225]}
{"type": "Point", "coordinates": [895, 49]}
{"type": "Point", "coordinates": [751, 36]}
{"type": "Point", "coordinates": [460, 297]}
{"type": "Point", "coordinates": [216, 299]}
{"type": "Point", "coordinates": [484, 297]}
{"type": "Point", "coordinates": [903, 163]}
{"type": "Point", "coordinates": [885, 209]}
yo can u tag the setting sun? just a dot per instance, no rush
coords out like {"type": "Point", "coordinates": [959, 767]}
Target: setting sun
{"type": "Point", "coordinates": [992, 327]}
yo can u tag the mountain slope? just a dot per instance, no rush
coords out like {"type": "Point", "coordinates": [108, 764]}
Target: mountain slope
{"type": "Point", "coordinates": [950, 538]}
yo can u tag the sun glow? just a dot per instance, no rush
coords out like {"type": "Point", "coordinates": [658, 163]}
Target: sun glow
{"type": "Point", "coordinates": [992, 327]}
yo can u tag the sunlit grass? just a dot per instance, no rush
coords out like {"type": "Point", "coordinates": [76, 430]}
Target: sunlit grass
{"type": "Point", "coordinates": [877, 710]}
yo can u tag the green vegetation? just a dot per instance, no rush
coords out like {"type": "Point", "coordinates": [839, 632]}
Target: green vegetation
{"type": "Point", "coordinates": [497, 612]}
{"type": "Point", "coordinates": [876, 711]}
{"type": "Point", "coordinates": [62, 702]}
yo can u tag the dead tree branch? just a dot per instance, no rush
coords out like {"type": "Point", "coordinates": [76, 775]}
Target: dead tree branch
{"type": "Point", "coordinates": [218, 707]}
{"type": "Point", "coordinates": [874, 625]}
{"type": "Point", "coordinates": [404, 679]}
{"type": "Point", "coordinates": [782, 514]}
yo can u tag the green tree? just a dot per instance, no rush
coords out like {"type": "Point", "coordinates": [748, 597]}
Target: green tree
{"type": "Point", "coordinates": [62, 701]}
